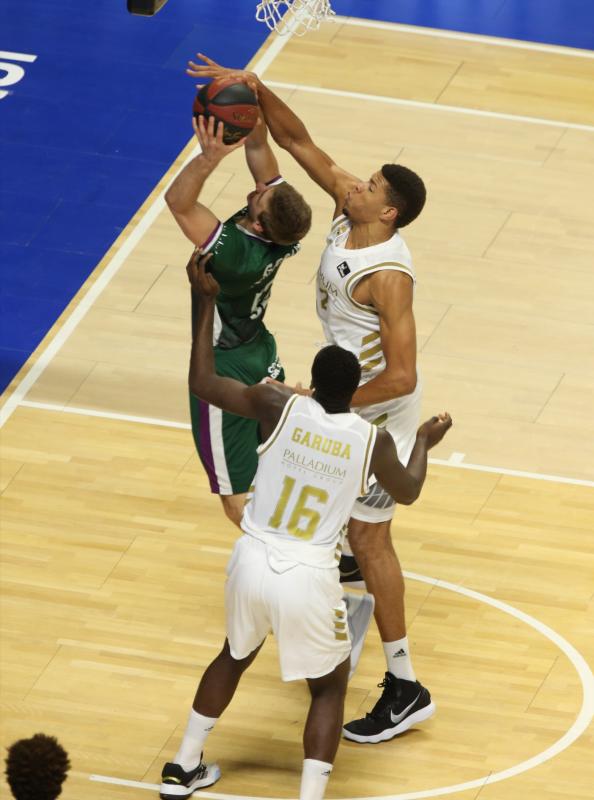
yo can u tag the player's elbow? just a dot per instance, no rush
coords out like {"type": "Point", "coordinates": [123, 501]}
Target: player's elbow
{"type": "Point", "coordinates": [173, 201]}
{"type": "Point", "coordinates": [402, 382]}
{"type": "Point", "coordinates": [406, 495]}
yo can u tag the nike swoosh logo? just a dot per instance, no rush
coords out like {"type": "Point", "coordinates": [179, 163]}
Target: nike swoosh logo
{"type": "Point", "coordinates": [396, 718]}
{"type": "Point", "coordinates": [344, 574]}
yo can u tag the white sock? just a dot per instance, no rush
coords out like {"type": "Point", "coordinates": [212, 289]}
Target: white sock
{"type": "Point", "coordinates": [314, 779]}
{"type": "Point", "coordinates": [398, 659]}
{"type": "Point", "coordinates": [190, 750]}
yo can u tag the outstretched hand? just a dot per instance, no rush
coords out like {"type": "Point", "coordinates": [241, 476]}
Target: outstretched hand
{"type": "Point", "coordinates": [210, 69]}
{"type": "Point", "coordinates": [202, 282]}
{"type": "Point", "coordinates": [435, 429]}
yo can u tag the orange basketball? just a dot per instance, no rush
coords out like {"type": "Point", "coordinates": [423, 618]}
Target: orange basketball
{"type": "Point", "coordinates": [232, 103]}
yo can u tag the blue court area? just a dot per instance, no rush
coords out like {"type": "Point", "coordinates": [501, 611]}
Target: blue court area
{"type": "Point", "coordinates": [94, 107]}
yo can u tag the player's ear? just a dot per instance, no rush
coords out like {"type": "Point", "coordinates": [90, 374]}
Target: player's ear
{"type": "Point", "coordinates": [389, 213]}
{"type": "Point", "coordinates": [257, 226]}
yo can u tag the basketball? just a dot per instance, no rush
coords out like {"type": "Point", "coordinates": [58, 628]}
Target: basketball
{"type": "Point", "coordinates": [232, 103]}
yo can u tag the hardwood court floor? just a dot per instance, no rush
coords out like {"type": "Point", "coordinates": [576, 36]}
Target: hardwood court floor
{"type": "Point", "coordinates": [114, 551]}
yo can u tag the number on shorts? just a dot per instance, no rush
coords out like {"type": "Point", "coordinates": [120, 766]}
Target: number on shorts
{"type": "Point", "coordinates": [300, 509]}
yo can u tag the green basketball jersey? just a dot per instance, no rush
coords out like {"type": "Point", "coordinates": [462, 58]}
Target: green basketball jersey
{"type": "Point", "coordinates": [245, 265]}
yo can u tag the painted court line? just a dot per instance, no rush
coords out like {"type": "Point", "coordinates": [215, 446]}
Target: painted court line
{"type": "Point", "coordinates": [497, 41]}
{"type": "Point", "coordinates": [114, 265]}
{"type": "Point", "coordinates": [455, 460]}
{"type": "Point", "coordinates": [396, 101]}
{"type": "Point", "coordinates": [579, 725]}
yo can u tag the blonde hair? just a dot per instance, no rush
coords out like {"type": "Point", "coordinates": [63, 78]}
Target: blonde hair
{"type": "Point", "coordinates": [288, 217]}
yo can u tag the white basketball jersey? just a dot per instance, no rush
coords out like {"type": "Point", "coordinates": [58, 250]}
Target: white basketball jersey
{"type": "Point", "coordinates": [346, 322]}
{"type": "Point", "coordinates": [310, 472]}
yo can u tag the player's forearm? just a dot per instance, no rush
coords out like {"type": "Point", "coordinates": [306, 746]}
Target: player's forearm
{"type": "Point", "coordinates": [385, 386]}
{"type": "Point", "coordinates": [202, 373]}
{"type": "Point", "coordinates": [417, 466]}
{"type": "Point", "coordinates": [185, 189]}
{"type": "Point", "coordinates": [284, 125]}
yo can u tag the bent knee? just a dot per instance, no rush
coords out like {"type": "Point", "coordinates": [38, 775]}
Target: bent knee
{"type": "Point", "coordinates": [370, 539]}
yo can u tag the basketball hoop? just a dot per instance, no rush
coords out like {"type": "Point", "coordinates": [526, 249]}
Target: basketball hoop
{"type": "Point", "coordinates": [293, 16]}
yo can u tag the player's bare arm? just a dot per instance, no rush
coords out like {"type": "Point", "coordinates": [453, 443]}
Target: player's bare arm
{"type": "Point", "coordinates": [196, 220]}
{"type": "Point", "coordinates": [390, 294]}
{"type": "Point", "coordinates": [287, 130]}
{"type": "Point", "coordinates": [264, 401]}
{"type": "Point", "coordinates": [260, 158]}
{"type": "Point", "coordinates": [404, 484]}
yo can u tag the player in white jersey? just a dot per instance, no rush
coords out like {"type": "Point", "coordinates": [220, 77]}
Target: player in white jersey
{"type": "Point", "coordinates": [316, 458]}
{"type": "Point", "coordinates": [365, 293]}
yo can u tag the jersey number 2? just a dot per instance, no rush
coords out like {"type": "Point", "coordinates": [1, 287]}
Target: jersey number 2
{"type": "Point", "coordinates": [300, 510]}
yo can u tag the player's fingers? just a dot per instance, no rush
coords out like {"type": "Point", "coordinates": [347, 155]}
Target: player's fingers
{"type": "Point", "coordinates": [207, 60]}
{"type": "Point", "coordinates": [203, 260]}
{"type": "Point", "coordinates": [211, 127]}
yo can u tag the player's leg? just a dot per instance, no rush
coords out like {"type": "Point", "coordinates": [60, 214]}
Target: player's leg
{"type": "Point", "coordinates": [247, 626]}
{"type": "Point", "coordinates": [226, 443]}
{"type": "Point", "coordinates": [321, 735]}
{"type": "Point", "coordinates": [309, 623]}
{"type": "Point", "coordinates": [404, 701]}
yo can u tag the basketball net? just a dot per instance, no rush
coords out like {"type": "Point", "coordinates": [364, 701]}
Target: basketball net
{"type": "Point", "coordinates": [293, 16]}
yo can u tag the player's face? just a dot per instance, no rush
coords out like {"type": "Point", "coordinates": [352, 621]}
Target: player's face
{"type": "Point", "coordinates": [259, 200]}
{"type": "Point", "coordinates": [367, 200]}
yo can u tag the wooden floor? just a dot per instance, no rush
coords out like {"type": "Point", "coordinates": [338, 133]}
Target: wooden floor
{"type": "Point", "coordinates": [114, 551]}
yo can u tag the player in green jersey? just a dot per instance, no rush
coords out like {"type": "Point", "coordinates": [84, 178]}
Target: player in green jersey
{"type": "Point", "coordinates": [248, 250]}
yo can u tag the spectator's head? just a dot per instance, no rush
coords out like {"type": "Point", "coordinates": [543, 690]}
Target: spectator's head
{"type": "Point", "coordinates": [36, 768]}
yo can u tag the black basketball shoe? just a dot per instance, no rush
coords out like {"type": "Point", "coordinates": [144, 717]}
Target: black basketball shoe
{"type": "Point", "coordinates": [350, 573]}
{"type": "Point", "coordinates": [176, 782]}
{"type": "Point", "coordinates": [402, 705]}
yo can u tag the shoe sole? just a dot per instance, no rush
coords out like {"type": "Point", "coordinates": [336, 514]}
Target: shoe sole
{"type": "Point", "coordinates": [389, 733]}
{"type": "Point", "coordinates": [169, 790]}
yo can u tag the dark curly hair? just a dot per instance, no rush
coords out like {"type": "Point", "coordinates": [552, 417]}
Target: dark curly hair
{"type": "Point", "coordinates": [36, 768]}
{"type": "Point", "coordinates": [406, 191]}
{"type": "Point", "coordinates": [335, 374]}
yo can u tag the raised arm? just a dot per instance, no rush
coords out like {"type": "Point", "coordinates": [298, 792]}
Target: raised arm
{"type": "Point", "coordinates": [390, 293]}
{"type": "Point", "coordinates": [263, 401]}
{"type": "Point", "coordinates": [196, 220]}
{"type": "Point", "coordinates": [259, 155]}
{"type": "Point", "coordinates": [287, 130]}
{"type": "Point", "coordinates": [404, 484]}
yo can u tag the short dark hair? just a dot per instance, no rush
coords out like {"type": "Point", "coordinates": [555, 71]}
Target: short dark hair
{"type": "Point", "coordinates": [335, 375]}
{"type": "Point", "coordinates": [288, 217]}
{"type": "Point", "coordinates": [36, 768]}
{"type": "Point", "coordinates": [406, 191]}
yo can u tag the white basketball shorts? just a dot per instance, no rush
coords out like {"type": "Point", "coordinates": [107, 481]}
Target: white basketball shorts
{"type": "Point", "coordinates": [302, 605]}
{"type": "Point", "coordinates": [401, 419]}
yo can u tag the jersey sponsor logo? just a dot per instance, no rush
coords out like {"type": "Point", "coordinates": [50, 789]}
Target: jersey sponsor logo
{"type": "Point", "coordinates": [343, 269]}
{"type": "Point", "coordinates": [326, 285]}
{"type": "Point", "coordinates": [314, 465]}
{"type": "Point", "coordinates": [322, 444]}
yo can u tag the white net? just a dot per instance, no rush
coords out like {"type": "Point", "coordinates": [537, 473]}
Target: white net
{"type": "Point", "coordinates": [293, 16]}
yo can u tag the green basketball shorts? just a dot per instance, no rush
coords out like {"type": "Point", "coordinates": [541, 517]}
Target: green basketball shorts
{"type": "Point", "coordinates": [226, 443]}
